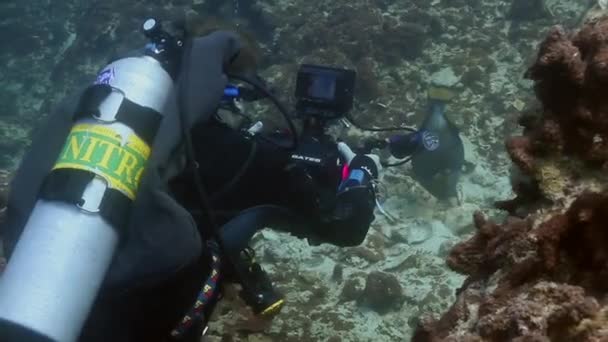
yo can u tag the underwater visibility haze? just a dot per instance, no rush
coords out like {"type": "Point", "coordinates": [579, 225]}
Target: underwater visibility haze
{"type": "Point", "coordinates": [491, 219]}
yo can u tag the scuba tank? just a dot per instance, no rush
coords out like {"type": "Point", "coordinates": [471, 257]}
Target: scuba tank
{"type": "Point", "coordinates": [56, 270]}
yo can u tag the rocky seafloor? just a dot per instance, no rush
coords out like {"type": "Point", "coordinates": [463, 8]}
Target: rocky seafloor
{"type": "Point", "coordinates": [387, 288]}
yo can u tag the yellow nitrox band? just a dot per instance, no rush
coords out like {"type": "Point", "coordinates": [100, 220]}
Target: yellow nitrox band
{"type": "Point", "coordinates": [100, 150]}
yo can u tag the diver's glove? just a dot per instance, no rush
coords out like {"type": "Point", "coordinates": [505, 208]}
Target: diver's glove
{"type": "Point", "coordinates": [367, 164]}
{"type": "Point", "coordinates": [200, 87]}
{"type": "Point", "coordinates": [202, 78]}
{"type": "Point", "coordinates": [404, 145]}
{"type": "Point", "coordinates": [355, 200]}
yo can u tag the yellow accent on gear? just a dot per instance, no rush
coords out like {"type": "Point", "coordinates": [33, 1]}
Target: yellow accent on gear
{"type": "Point", "coordinates": [274, 308]}
{"type": "Point", "coordinates": [441, 93]}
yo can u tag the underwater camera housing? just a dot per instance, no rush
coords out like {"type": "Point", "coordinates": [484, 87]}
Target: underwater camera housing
{"type": "Point", "coordinates": [324, 92]}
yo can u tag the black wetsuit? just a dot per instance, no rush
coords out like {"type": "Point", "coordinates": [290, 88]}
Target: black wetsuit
{"type": "Point", "coordinates": [148, 307]}
{"type": "Point", "coordinates": [273, 176]}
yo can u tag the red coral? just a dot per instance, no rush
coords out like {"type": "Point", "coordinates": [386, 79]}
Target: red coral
{"type": "Point", "coordinates": [487, 250]}
{"type": "Point", "coordinates": [544, 281]}
{"type": "Point", "coordinates": [520, 151]}
{"type": "Point", "coordinates": [429, 329]}
{"type": "Point", "coordinates": [549, 235]}
{"type": "Point", "coordinates": [558, 58]}
{"type": "Point", "coordinates": [527, 197]}
{"type": "Point", "coordinates": [591, 37]}
{"type": "Point", "coordinates": [570, 76]}
{"type": "Point", "coordinates": [469, 257]}
{"type": "Point", "coordinates": [583, 114]}
{"type": "Point", "coordinates": [585, 242]}
{"type": "Point", "coordinates": [577, 240]}
{"type": "Point", "coordinates": [538, 309]}
{"type": "Point", "coordinates": [526, 265]}
{"type": "Point", "coordinates": [550, 135]}
{"type": "Point", "coordinates": [597, 69]}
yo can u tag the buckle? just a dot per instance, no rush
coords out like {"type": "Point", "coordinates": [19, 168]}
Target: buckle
{"type": "Point", "coordinates": [109, 107]}
{"type": "Point", "coordinates": [92, 195]}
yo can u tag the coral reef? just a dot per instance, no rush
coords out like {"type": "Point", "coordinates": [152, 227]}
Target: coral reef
{"type": "Point", "coordinates": [569, 80]}
{"type": "Point", "coordinates": [544, 277]}
{"type": "Point", "coordinates": [396, 47]}
{"type": "Point", "coordinates": [570, 76]}
{"type": "Point", "coordinates": [525, 279]}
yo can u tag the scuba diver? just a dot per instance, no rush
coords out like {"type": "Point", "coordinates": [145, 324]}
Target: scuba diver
{"type": "Point", "coordinates": [110, 236]}
{"type": "Point", "coordinates": [435, 149]}
{"type": "Point", "coordinates": [99, 244]}
{"type": "Point", "coordinates": [320, 190]}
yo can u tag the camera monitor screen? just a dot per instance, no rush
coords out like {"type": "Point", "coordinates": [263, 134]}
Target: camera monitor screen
{"type": "Point", "coordinates": [324, 91]}
{"type": "Point", "coordinates": [323, 87]}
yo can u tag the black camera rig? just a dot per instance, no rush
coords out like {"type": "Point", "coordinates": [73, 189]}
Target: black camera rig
{"type": "Point", "coordinates": [322, 93]}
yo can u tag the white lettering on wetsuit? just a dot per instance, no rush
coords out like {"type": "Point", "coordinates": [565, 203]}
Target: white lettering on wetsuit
{"type": "Point", "coordinates": [306, 158]}
{"type": "Point", "coordinates": [366, 169]}
{"type": "Point", "coordinates": [430, 140]}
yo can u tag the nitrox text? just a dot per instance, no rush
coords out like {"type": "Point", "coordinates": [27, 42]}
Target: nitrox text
{"type": "Point", "coordinates": [102, 153]}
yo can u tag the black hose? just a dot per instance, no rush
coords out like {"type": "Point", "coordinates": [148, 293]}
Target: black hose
{"type": "Point", "coordinates": [399, 163]}
{"type": "Point", "coordinates": [379, 129]}
{"type": "Point", "coordinates": [237, 177]}
{"type": "Point", "coordinates": [284, 111]}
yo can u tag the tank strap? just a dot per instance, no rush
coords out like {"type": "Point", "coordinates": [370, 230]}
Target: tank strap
{"type": "Point", "coordinates": [206, 297]}
{"type": "Point", "coordinates": [144, 121]}
{"type": "Point", "coordinates": [68, 185]}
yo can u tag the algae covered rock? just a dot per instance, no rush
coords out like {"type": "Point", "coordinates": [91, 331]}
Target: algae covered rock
{"type": "Point", "coordinates": [382, 292]}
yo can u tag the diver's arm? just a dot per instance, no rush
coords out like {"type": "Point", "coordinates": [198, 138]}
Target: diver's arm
{"type": "Point", "coordinates": [348, 222]}
{"type": "Point", "coordinates": [345, 224]}
{"type": "Point", "coordinates": [279, 202]}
